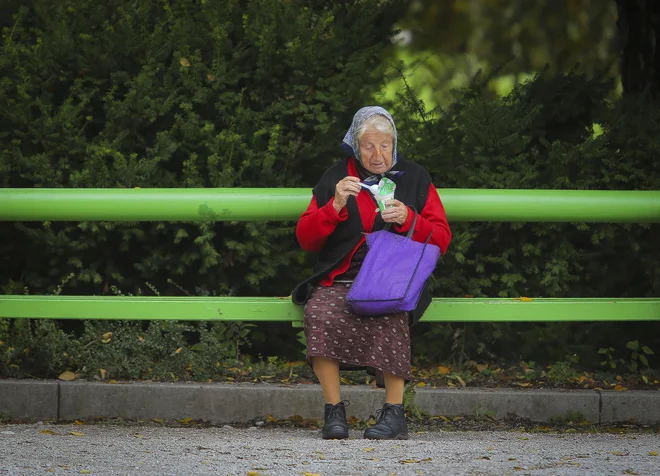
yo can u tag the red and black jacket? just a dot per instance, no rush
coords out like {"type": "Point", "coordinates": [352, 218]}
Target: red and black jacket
{"type": "Point", "coordinates": [336, 236]}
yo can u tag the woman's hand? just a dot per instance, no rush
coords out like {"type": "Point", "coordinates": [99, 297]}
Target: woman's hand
{"type": "Point", "coordinates": [345, 188]}
{"type": "Point", "coordinates": [395, 212]}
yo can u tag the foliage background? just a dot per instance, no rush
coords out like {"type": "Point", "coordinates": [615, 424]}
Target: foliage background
{"type": "Point", "coordinates": [259, 93]}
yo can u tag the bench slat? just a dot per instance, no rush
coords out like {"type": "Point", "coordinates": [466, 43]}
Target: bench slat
{"type": "Point", "coordinates": [281, 309]}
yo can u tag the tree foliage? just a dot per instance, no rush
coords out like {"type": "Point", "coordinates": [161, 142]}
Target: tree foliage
{"type": "Point", "coordinates": [542, 135]}
{"type": "Point", "coordinates": [258, 94]}
{"type": "Point", "coordinates": [175, 94]}
{"type": "Point", "coordinates": [560, 33]}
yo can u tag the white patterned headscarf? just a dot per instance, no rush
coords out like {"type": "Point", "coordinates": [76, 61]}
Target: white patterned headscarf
{"type": "Point", "coordinates": [350, 138]}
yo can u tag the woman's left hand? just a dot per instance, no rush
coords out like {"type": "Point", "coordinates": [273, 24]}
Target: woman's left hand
{"type": "Point", "coordinates": [396, 212]}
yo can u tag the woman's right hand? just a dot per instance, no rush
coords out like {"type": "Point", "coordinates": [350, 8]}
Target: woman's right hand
{"type": "Point", "coordinates": [345, 188]}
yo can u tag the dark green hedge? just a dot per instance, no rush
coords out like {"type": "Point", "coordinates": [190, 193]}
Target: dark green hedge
{"type": "Point", "coordinates": [555, 132]}
{"type": "Point", "coordinates": [259, 93]}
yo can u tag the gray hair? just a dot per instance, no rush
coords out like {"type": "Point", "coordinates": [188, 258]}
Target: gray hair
{"type": "Point", "coordinates": [376, 122]}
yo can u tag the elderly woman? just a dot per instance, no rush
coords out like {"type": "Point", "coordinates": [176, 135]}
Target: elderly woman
{"type": "Point", "coordinates": [334, 226]}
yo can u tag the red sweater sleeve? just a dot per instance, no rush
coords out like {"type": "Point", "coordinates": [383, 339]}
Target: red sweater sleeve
{"type": "Point", "coordinates": [431, 218]}
{"type": "Point", "coordinates": [316, 224]}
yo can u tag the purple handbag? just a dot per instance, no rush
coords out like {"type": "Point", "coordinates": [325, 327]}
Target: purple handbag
{"type": "Point", "coordinates": [393, 273]}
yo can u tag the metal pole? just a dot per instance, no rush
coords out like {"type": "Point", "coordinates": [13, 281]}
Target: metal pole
{"type": "Point", "coordinates": [280, 204]}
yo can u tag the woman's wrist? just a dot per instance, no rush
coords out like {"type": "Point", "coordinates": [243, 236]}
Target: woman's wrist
{"type": "Point", "coordinates": [405, 218]}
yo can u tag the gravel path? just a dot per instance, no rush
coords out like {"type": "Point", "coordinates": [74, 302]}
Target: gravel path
{"type": "Point", "coordinates": [115, 449]}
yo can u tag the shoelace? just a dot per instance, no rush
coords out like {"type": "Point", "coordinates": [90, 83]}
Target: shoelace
{"type": "Point", "coordinates": [382, 413]}
{"type": "Point", "coordinates": [335, 408]}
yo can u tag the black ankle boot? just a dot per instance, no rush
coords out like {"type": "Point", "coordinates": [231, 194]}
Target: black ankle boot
{"type": "Point", "coordinates": [335, 426]}
{"type": "Point", "coordinates": [391, 424]}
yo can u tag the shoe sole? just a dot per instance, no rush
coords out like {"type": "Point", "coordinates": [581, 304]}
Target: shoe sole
{"type": "Point", "coordinates": [397, 437]}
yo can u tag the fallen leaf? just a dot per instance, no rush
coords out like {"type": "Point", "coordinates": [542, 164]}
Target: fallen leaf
{"type": "Point", "coordinates": [523, 384]}
{"type": "Point", "coordinates": [85, 471]}
{"type": "Point", "coordinates": [184, 62]}
{"type": "Point", "coordinates": [158, 420]}
{"type": "Point", "coordinates": [442, 417]}
{"type": "Point", "coordinates": [140, 338]}
{"type": "Point", "coordinates": [646, 380]}
{"type": "Point", "coordinates": [138, 435]}
{"type": "Point", "coordinates": [103, 372]}
{"type": "Point", "coordinates": [484, 457]}
{"type": "Point", "coordinates": [310, 474]}
{"type": "Point", "coordinates": [77, 433]}
{"type": "Point", "coordinates": [653, 453]}
{"type": "Point", "coordinates": [522, 437]}
{"type": "Point", "coordinates": [50, 432]}
{"type": "Point", "coordinates": [629, 471]}
{"type": "Point", "coordinates": [526, 299]}
{"type": "Point", "coordinates": [481, 367]}
{"type": "Point", "coordinates": [270, 419]}
{"type": "Point", "coordinates": [409, 461]}
{"type": "Point", "coordinates": [442, 370]}
{"type": "Point", "coordinates": [186, 421]}
{"type": "Point", "coordinates": [78, 422]}
{"type": "Point", "coordinates": [620, 388]}
{"type": "Point", "coordinates": [619, 453]}
{"type": "Point", "coordinates": [421, 384]}
{"type": "Point", "coordinates": [460, 380]}
{"type": "Point", "coordinates": [67, 376]}
{"type": "Point", "coordinates": [178, 351]}
{"type": "Point", "coordinates": [512, 459]}
{"type": "Point", "coordinates": [368, 449]}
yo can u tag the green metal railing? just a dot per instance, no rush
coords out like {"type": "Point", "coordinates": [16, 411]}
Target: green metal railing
{"type": "Point", "coordinates": [287, 204]}
{"type": "Point", "coordinates": [277, 204]}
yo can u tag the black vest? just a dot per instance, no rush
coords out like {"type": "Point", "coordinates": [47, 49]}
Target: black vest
{"type": "Point", "coordinates": [412, 188]}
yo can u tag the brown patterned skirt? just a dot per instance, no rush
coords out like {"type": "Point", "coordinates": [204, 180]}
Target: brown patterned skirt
{"type": "Point", "coordinates": [334, 331]}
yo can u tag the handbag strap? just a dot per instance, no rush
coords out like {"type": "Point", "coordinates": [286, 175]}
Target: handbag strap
{"type": "Point", "coordinates": [412, 227]}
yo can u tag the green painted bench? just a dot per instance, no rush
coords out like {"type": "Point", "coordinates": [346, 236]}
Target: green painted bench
{"type": "Point", "coordinates": [287, 204]}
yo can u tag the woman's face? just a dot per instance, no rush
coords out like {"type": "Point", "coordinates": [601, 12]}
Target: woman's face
{"type": "Point", "coordinates": [376, 151]}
